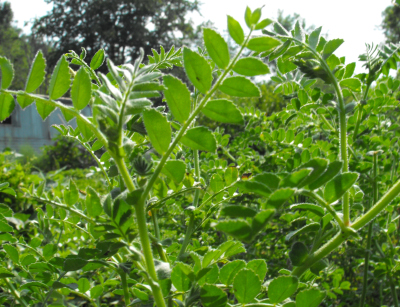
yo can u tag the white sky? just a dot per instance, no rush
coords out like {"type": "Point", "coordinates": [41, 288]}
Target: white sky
{"type": "Point", "coordinates": [355, 21]}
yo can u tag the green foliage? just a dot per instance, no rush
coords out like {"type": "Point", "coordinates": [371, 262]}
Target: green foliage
{"type": "Point", "coordinates": [181, 214]}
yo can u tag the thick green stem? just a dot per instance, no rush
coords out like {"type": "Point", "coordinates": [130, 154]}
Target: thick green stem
{"type": "Point", "coordinates": [143, 234]}
{"type": "Point", "coordinates": [369, 239]}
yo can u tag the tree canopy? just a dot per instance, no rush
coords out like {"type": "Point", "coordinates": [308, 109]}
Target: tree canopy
{"type": "Point", "coordinates": [118, 26]}
{"type": "Point", "coordinates": [391, 23]}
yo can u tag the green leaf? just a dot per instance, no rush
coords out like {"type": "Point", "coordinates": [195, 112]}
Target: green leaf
{"type": "Point", "coordinates": [270, 180]}
{"type": "Point", "coordinates": [263, 23]}
{"type": "Point", "coordinates": [31, 284]}
{"type": "Point", "coordinates": [97, 60]}
{"type": "Point", "coordinates": [333, 169]}
{"type": "Point", "coordinates": [240, 230]}
{"type": "Point", "coordinates": [240, 87]}
{"type": "Point", "coordinates": [7, 72]}
{"type": "Point", "coordinates": [24, 100]}
{"type": "Point", "coordinates": [338, 186]}
{"type": "Point", "coordinates": [71, 194]}
{"type": "Point", "coordinates": [81, 90]}
{"type": "Point", "coordinates": [178, 98]}
{"type": "Point", "coordinates": [312, 227]}
{"type": "Point", "coordinates": [200, 138]}
{"type": "Point", "coordinates": [319, 266]}
{"type": "Point", "coordinates": [349, 70]}
{"type": "Point", "coordinates": [198, 70]}
{"type": "Point", "coordinates": [299, 32]}
{"type": "Point", "coordinates": [158, 130]}
{"type": "Point", "coordinates": [309, 298]}
{"type": "Point", "coordinates": [7, 105]}
{"type": "Point", "coordinates": [180, 276]}
{"type": "Point", "coordinates": [298, 254]}
{"type": "Point", "coordinates": [208, 275]}
{"type": "Point", "coordinates": [261, 220]}
{"type": "Point", "coordinates": [282, 288]}
{"type": "Point", "coordinates": [217, 48]}
{"type": "Point", "coordinates": [49, 250]}
{"type": "Point", "coordinates": [262, 43]}
{"type": "Point", "coordinates": [96, 291]}
{"type": "Point", "coordinates": [224, 111]}
{"type": "Point", "coordinates": [279, 197]}
{"type": "Point", "coordinates": [250, 67]}
{"type": "Point", "coordinates": [253, 187]}
{"type": "Point", "coordinates": [135, 106]}
{"type": "Point", "coordinates": [36, 74]}
{"type": "Point", "coordinates": [247, 17]}
{"type": "Point", "coordinates": [313, 39]}
{"type": "Point", "coordinates": [309, 207]}
{"type": "Point", "coordinates": [352, 83]}
{"type": "Point", "coordinates": [235, 30]}
{"type": "Point", "coordinates": [246, 286]}
{"type": "Point", "coordinates": [93, 203]}
{"type": "Point", "coordinates": [60, 79]}
{"type": "Point", "coordinates": [4, 273]}
{"type": "Point", "coordinates": [258, 266]}
{"type": "Point", "coordinates": [229, 271]}
{"type": "Point", "coordinates": [295, 179]}
{"type": "Point", "coordinates": [285, 66]}
{"type": "Point", "coordinates": [74, 264]}
{"type": "Point", "coordinates": [175, 170]}
{"type": "Point", "coordinates": [212, 296]}
{"type": "Point", "coordinates": [318, 165]}
{"type": "Point", "coordinates": [331, 46]}
{"type": "Point", "coordinates": [238, 211]}
{"type": "Point", "coordinates": [12, 253]}
{"type": "Point", "coordinates": [44, 108]}
{"type": "Point", "coordinates": [83, 285]}
{"type": "Point", "coordinates": [231, 175]}
{"type": "Point", "coordinates": [84, 128]}
{"type": "Point", "coordinates": [4, 227]}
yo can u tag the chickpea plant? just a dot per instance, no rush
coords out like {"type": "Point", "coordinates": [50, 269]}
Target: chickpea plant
{"type": "Point", "coordinates": [116, 248]}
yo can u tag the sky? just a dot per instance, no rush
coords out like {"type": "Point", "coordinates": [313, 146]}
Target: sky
{"type": "Point", "coordinates": [355, 21]}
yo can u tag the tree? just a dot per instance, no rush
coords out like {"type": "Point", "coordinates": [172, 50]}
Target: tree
{"type": "Point", "coordinates": [16, 46]}
{"type": "Point", "coordinates": [118, 26]}
{"type": "Point", "coordinates": [391, 23]}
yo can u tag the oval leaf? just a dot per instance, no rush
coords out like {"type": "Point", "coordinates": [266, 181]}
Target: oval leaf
{"type": "Point", "coordinates": [198, 70]}
{"type": "Point", "coordinates": [178, 98]}
{"type": "Point", "coordinates": [235, 30]}
{"type": "Point", "coordinates": [7, 72]}
{"type": "Point", "coordinates": [282, 288]}
{"type": "Point", "coordinates": [240, 87]}
{"type": "Point", "coordinates": [37, 73]}
{"type": "Point", "coordinates": [200, 138]}
{"type": "Point", "coordinates": [224, 111]}
{"type": "Point", "coordinates": [217, 48]}
{"type": "Point", "coordinates": [262, 43]}
{"type": "Point", "coordinates": [175, 170]}
{"type": "Point", "coordinates": [250, 67]}
{"type": "Point", "coordinates": [81, 91]}
{"type": "Point", "coordinates": [338, 186]}
{"type": "Point", "coordinates": [229, 271]}
{"type": "Point", "coordinates": [158, 130]}
{"type": "Point", "coordinates": [7, 105]}
{"type": "Point", "coordinates": [97, 60]}
{"type": "Point", "coordinates": [246, 286]}
{"type": "Point", "coordinates": [60, 79]}
{"type": "Point", "coordinates": [310, 298]}
{"type": "Point", "coordinates": [212, 296]}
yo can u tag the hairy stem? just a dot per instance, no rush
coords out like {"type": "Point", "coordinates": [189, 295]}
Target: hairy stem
{"type": "Point", "coordinates": [369, 239]}
{"type": "Point", "coordinates": [15, 293]}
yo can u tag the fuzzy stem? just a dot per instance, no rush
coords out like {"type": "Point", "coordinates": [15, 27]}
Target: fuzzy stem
{"type": "Point", "coordinates": [15, 293]}
{"type": "Point", "coordinates": [124, 283]}
{"type": "Point", "coordinates": [369, 240]}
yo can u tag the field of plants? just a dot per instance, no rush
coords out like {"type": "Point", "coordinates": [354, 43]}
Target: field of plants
{"type": "Point", "coordinates": [296, 208]}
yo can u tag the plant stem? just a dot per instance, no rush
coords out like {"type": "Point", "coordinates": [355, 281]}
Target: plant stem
{"type": "Point", "coordinates": [190, 227]}
{"type": "Point", "coordinates": [124, 283]}
{"type": "Point", "coordinates": [143, 233]}
{"type": "Point", "coordinates": [360, 111]}
{"type": "Point", "coordinates": [369, 240]}
{"type": "Point", "coordinates": [15, 293]}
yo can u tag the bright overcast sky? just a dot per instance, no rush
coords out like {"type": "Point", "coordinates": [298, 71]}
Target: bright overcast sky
{"type": "Point", "coordinates": [355, 21]}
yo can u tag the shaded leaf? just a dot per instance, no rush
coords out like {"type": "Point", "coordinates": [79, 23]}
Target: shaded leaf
{"type": "Point", "coordinates": [158, 130]}
{"type": "Point", "coordinates": [217, 48]}
{"type": "Point", "coordinates": [200, 138]}
{"type": "Point", "coordinates": [223, 111]}
{"type": "Point", "coordinates": [198, 70]}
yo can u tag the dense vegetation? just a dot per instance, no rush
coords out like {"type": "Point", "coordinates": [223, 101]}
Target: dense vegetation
{"type": "Point", "coordinates": [299, 208]}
